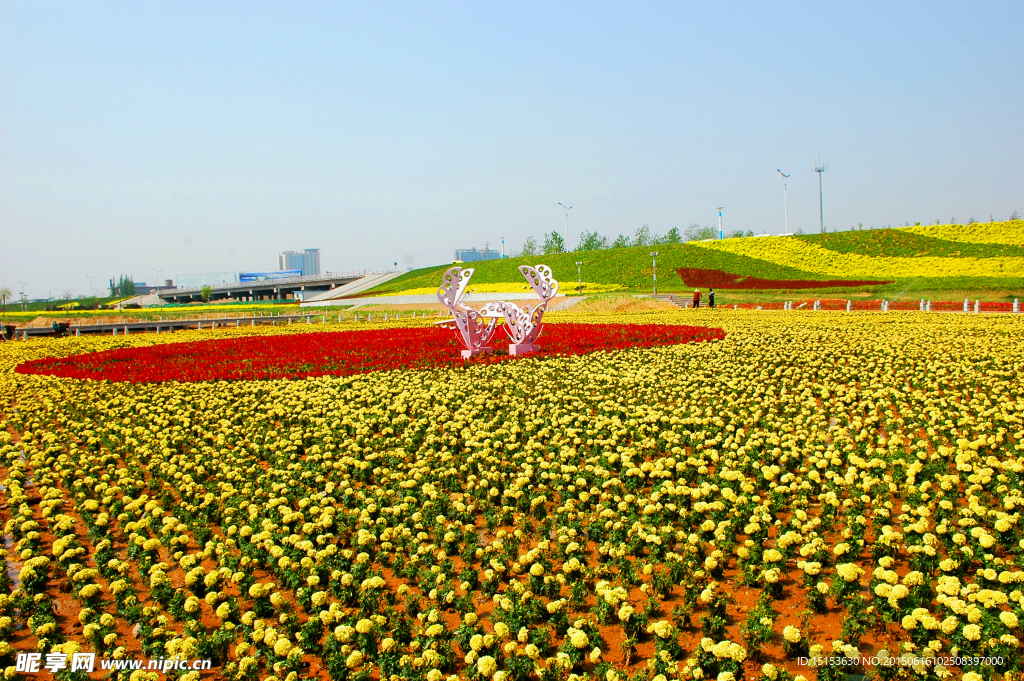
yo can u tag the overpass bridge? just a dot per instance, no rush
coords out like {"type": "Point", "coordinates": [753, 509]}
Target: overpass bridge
{"type": "Point", "coordinates": [267, 289]}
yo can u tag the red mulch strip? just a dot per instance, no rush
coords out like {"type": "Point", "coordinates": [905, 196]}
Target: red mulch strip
{"type": "Point", "coordinates": [700, 278]}
{"type": "Point", "coordinates": [342, 353]}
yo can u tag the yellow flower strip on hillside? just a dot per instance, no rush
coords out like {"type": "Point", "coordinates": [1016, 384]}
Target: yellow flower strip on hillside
{"type": "Point", "coordinates": [1010, 232]}
{"type": "Point", "coordinates": [810, 257]}
{"type": "Point", "coordinates": [566, 287]}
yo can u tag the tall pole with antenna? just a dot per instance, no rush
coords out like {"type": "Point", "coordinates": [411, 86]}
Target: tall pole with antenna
{"type": "Point", "coordinates": [785, 196]}
{"type": "Point", "coordinates": [654, 270]}
{"type": "Point", "coordinates": [567, 209]}
{"type": "Point", "coordinates": [502, 248]}
{"type": "Point", "coordinates": [720, 234]}
{"type": "Point", "coordinates": [819, 168]}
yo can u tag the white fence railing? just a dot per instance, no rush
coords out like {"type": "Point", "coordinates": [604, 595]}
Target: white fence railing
{"type": "Point", "coordinates": [307, 279]}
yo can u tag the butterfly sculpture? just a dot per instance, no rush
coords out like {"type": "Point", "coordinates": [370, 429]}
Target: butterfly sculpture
{"type": "Point", "coordinates": [522, 324]}
{"type": "Point", "coordinates": [474, 332]}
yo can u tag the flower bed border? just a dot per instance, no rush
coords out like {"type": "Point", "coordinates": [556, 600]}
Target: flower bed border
{"type": "Point", "coordinates": [339, 353]}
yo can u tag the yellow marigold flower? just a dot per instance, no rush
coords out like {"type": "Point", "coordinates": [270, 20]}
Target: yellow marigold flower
{"type": "Point", "coordinates": [578, 638]}
{"type": "Point", "coordinates": [486, 666]}
{"type": "Point", "coordinates": [850, 572]}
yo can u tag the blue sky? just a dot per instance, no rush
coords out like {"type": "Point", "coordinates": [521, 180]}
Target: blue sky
{"type": "Point", "coordinates": [210, 136]}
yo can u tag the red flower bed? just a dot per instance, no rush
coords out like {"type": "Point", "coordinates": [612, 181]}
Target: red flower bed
{"type": "Point", "coordinates": [721, 279]}
{"type": "Point", "coordinates": [340, 353]}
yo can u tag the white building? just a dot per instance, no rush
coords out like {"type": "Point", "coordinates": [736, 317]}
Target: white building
{"type": "Point", "coordinates": [308, 261]}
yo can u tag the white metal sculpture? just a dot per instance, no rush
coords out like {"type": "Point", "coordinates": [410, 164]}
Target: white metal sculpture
{"type": "Point", "coordinates": [474, 333]}
{"type": "Point", "coordinates": [522, 324]}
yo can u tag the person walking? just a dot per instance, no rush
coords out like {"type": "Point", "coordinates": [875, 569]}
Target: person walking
{"type": "Point", "coordinates": [711, 299]}
{"type": "Point", "coordinates": [696, 298]}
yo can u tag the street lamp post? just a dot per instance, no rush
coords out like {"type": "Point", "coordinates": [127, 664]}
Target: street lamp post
{"type": "Point", "coordinates": [157, 276]}
{"type": "Point", "coordinates": [24, 298]}
{"type": "Point", "coordinates": [654, 261]}
{"type": "Point", "coordinates": [579, 276]}
{"type": "Point", "coordinates": [820, 168]}
{"type": "Point", "coordinates": [90, 277]}
{"type": "Point", "coordinates": [785, 195]}
{"type": "Point", "coordinates": [567, 209]}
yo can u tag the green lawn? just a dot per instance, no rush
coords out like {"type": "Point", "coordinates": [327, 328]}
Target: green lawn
{"type": "Point", "coordinates": [630, 268]}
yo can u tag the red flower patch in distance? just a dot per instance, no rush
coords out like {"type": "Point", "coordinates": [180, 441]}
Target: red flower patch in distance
{"type": "Point", "coordinates": [699, 278]}
{"type": "Point", "coordinates": [340, 353]}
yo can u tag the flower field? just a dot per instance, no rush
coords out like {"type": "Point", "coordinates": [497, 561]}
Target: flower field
{"type": "Point", "coordinates": [810, 484]}
{"type": "Point", "coordinates": [1009, 233]}
{"type": "Point", "coordinates": [811, 257]}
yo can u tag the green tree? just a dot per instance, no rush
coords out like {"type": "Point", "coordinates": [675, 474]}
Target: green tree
{"type": "Point", "coordinates": [123, 287]}
{"type": "Point", "coordinates": [530, 247]}
{"type": "Point", "coordinates": [672, 237]}
{"type": "Point", "coordinates": [621, 241]}
{"type": "Point", "coordinates": [553, 243]}
{"type": "Point", "coordinates": [736, 234]}
{"type": "Point", "coordinates": [643, 237]}
{"type": "Point", "coordinates": [697, 233]}
{"type": "Point", "coordinates": [206, 293]}
{"type": "Point", "coordinates": [5, 293]}
{"type": "Point", "coordinates": [1015, 216]}
{"type": "Point", "coordinates": [592, 241]}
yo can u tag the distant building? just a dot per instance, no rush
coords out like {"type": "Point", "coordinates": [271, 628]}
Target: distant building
{"type": "Point", "coordinates": [209, 279]}
{"type": "Point", "coordinates": [475, 255]}
{"type": "Point", "coordinates": [308, 261]}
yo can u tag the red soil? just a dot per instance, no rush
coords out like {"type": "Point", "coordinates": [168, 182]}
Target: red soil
{"type": "Point", "coordinates": [701, 278]}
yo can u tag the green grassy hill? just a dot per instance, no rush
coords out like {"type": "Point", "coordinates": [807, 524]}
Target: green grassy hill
{"type": "Point", "coordinates": [629, 267]}
{"type": "Point", "coordinates": [911, 260]}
